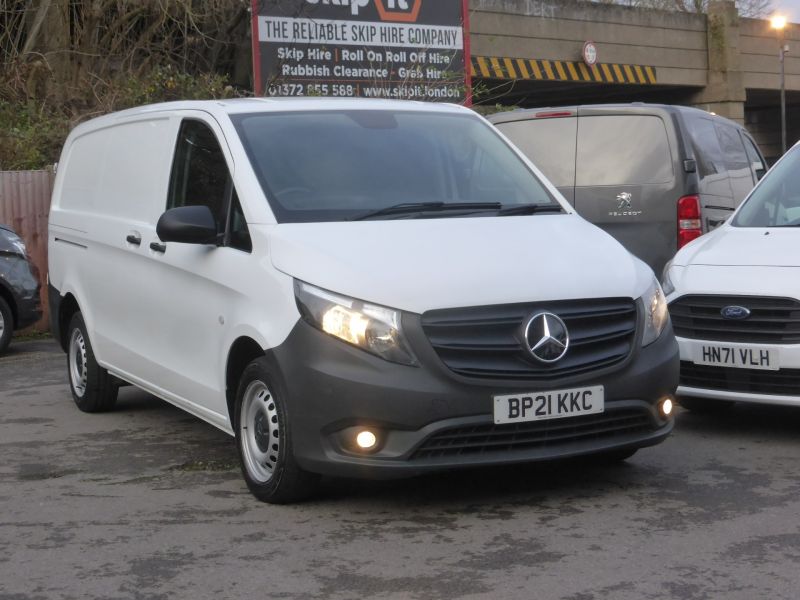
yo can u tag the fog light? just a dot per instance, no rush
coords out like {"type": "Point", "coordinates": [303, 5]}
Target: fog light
{"type": "Point", "coordinates": [366, 440]}
{"type": "Point", "coordinates": [666, 407]}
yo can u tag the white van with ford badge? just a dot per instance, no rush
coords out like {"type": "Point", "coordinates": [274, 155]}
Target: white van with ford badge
{"type": "Point", "coordinates": [735, 300]}
{"type": "Point", "coordinates": [351, 288]}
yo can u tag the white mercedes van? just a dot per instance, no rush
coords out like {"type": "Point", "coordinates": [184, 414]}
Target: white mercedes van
{"type": "Point", "coordinates": [352, 288]}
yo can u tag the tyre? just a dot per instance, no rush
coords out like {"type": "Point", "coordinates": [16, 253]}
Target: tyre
{"type": "Point", "coordinates": [264, 439]}
{"type": "Point", "coordinates": [704, 405]}
{"type": "Point", "coordinates": [6, 325]}
{"type": "Point", "coordinates": [93, 389]}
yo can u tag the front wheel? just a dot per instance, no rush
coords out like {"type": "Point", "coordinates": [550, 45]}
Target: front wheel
{"type": "Point", "coordinates": [264, 439]}
{"type": "Point", "coordinates": [93, 389]}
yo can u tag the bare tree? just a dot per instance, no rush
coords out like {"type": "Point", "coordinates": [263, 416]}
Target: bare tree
{"type": "Point", "coordinates": [76, 52]}
{"type": "Point", "coordinates": [746, 8]}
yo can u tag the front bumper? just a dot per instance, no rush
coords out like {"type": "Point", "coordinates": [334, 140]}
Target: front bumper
{"type": "Point", "coordinates": [332, 387]}
{"type": "Point", "coordinates": [741, 385]}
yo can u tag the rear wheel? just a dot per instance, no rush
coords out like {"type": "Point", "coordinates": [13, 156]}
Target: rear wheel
{"type": "Point", "coordinates": [264, 439]}
{"type": "Point", "coordinates": [93, 389]}
{"type": "Point", "coordinates": [704, 405]}
{"type": "Point", "coordinates": [6, 325]}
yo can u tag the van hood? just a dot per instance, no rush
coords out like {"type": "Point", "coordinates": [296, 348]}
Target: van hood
{"type": "Point", "coordinates": [744, 247]}
{"type": "Point", "coordinates": [417, 265]}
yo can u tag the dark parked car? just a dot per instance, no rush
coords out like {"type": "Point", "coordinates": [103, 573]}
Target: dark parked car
{"type": "Point", "coordinates": [20, 305]}
{"type": "Point", "coordinates": [653, 176]}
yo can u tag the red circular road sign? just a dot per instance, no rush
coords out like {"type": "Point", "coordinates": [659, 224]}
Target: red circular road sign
{"type": "Point", "coordinates": [589, 53]}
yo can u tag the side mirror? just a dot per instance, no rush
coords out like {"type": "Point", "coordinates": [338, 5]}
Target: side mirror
{"type": "Point", "coordinates": [187, 225]}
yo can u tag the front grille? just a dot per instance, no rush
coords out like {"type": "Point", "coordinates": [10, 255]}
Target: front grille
{"type": "Point", "coordinates": [771, 320]}
{"type": "Point", "coordinates": [785, 382]}
{"type": "Point", "coordinates": [488, 439]}
{"type": "Point", "coordinates": [484, 341]}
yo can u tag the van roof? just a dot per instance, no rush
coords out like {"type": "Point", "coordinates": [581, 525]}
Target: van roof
{"type": "Point", "coordinates": [255, 105]}
{"type": "Point", "coordinates": [607, 109]}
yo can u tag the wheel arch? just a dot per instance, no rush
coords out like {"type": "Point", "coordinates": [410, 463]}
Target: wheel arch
{"type": "Point", "coordinates": [67, 307]}
{"type": "Point", "coordinates": [243, 351]}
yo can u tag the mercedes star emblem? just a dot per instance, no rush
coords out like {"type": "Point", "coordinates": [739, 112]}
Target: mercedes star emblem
{"type": "Point", "coordinates": [546, 337]}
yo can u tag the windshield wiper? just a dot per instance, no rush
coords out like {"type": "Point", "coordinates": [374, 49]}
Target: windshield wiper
{"type": "Point", "coordinates": [421, 207]}
{"type": "Point", "coordinates": [528, 209]}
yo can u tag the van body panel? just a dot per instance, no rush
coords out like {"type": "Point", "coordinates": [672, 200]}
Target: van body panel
{"type": "Point", "coordinates": [533, 252]}
{"type": "Point", "coordinates": [608, 169]}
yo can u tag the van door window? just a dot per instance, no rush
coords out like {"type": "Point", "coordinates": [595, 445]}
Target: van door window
{"type": "Point", "coordinates": [736, 161]}
{"type": "Point", "coordinates": [731, 145]}
{"type": "Point", "coordinates": [238, 236]}
{"type": "Point", "coordinates": [705, 144]}
{"type": "Point", "coordinates": [200, 177]}
{"type": "Point", "coordinates": [756, 162]}
{"type": "Point", "coordinates": [622, 150]}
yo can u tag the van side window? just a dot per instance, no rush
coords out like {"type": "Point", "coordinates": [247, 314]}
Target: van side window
{"type": "Point", "coordinates": [199, 172]}
{"type": "Point", "coordinates": [707, 152]}
{"type": "Point", "coordinates": [200, 177]}
{"type": "Point", "coordinates": [756, 162]}
{"type": "Point", "coordinates": [731, 145]}
{"type": "Point", "coordinates": [238, 235]}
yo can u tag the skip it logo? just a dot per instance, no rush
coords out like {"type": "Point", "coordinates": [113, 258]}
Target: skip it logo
{"type": "Point", "coordinates": [403, 11]}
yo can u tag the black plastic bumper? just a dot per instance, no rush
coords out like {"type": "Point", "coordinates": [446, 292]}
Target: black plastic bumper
{"type": "Point", "coordinates": [21, 279]}
{"type": "Point", "coordinates": [333, 388]}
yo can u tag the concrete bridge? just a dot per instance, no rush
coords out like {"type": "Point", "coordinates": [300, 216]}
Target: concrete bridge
{"type": "Point", "coordinates": [529, 53]}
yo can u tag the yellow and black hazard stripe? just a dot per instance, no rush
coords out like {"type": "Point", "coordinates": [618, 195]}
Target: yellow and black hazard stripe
{"type": "Point", "coordinates": [502, 67]}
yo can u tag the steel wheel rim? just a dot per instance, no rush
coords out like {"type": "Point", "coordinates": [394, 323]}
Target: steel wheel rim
{"type": "Point", "coordinates": [77, 363]}
{"type": "Point", "coordinates": [259, 430]}
{"type": "Point", "coordinates": [2, 325]}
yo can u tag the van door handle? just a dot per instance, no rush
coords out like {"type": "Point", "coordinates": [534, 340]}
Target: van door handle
{"type": "Point", "coordinates": [157, 247]}
{"type": "Point", "coordinates": [715, 222]}
{"type": "Point", "coordinates": [134, 237]}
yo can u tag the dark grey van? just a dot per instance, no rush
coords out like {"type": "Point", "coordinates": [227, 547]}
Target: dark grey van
{"type": "Point", "coordinates": [653, 176]}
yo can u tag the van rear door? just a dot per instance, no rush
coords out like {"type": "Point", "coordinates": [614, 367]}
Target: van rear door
{"type": "Point", "coordinates": [548, 140]}
{"type": "Point", "coordinates": [626, 182]}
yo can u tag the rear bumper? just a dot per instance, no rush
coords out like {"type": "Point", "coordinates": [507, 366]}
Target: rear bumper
{"type": "Point", "coordinates": [333, 389]}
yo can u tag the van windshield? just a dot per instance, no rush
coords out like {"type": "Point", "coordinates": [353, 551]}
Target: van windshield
{"type": "Point", "coordinates": [776, 201]}
{"type": "Point", "coordinates": [342, 165]}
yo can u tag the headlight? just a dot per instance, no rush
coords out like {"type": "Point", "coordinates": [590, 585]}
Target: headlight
{"type": "Point", "coordinates": [370, 327]}
{"type": "Point", "coordinates": [666, 280]}
{"type": "Point", "coordinates": [656, 314]}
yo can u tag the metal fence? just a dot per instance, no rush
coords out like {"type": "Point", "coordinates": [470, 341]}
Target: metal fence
{"type": "Point", "coordinates": [25, 206]}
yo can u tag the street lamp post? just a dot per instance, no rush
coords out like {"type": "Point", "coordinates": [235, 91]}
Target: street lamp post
{"type": "Point", "coordinates": [778, 23]}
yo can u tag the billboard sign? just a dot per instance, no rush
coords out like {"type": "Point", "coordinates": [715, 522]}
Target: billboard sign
{"type": "Point", "coordinates": [396, 49]}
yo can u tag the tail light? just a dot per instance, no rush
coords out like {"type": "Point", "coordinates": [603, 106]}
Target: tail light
{"type": "Point", "coordinates": [689, 224]}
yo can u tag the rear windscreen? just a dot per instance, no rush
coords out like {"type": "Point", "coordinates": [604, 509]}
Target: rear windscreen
{"type": "Point", "coordinates": [622, 150]}
{"type": "Point", "coordinates": [549, 144]}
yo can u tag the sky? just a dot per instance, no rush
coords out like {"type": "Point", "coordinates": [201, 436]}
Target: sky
{"type": "Point", "coordinates": [791, 8]}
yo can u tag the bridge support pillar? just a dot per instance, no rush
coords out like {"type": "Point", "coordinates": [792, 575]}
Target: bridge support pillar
{"type": "Point", "coordinates": [725, 92]}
